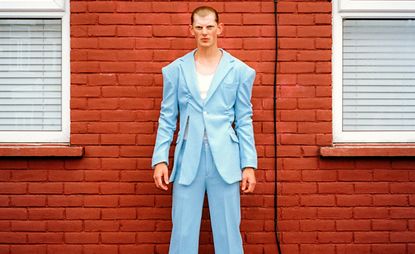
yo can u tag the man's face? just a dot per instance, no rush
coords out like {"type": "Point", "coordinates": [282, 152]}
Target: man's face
{"type": "Point", "coordinates": [206, 30]}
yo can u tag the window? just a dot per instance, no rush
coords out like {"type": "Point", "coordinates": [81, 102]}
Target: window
{"type": "Point", "coordinates": [373, 71]}
{"type": "Point", "coordinates": [34, 71]}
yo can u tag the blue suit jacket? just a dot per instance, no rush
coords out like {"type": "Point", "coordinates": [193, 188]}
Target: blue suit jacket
{"type": "Point", "coordinates": [228, 100]}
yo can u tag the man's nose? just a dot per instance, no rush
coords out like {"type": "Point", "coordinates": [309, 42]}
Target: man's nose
{"type": "Point", "coordinates": [204, 30]}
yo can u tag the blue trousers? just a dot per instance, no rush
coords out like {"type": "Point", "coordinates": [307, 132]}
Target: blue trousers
{"type": "Point", "coordinates": [224, 209]}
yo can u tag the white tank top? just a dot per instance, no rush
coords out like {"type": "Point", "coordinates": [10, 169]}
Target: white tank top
{"type": "Point", "coordinates": [203, 82]}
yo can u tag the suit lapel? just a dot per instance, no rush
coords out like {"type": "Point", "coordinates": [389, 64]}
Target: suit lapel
{"type": "Point", "coordinates": [188, 68]}
{"type": "Point", "coordinates": [222, 69]}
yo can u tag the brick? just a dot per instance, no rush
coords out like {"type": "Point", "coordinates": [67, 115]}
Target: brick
{"type": "Point", "coordinates": [318, 200]}
{"type": "Point", "coordinates": [317, 225]}
{"type": "Point", "coordinates": [319, 175]}
{"type": "Point", "coordinates": [335, 237]}
{"type": "Point", "coordinates": [65, 225]}
{"type": "Point", "coordinates": [116, 19]}
{"type": "Point", "coordinates": [27, 200]}
{"type": "Point", "coordinates": [137, 225]}
{"type": "Point", "coordinates": [355, 175]}
{"type": "Point", "coordinates": [260, 237]}
{"type": "Point", "coordinates": [335, 188]}
{"type": "Point", "coordinates": [295, 19]}
{"type": "Point", "coordinates": [100, 201]}
{"type": "Point", "coordinates": [353, 225]}
{"type": "Point", "coordinates": [67, 201]}
{"type": "Point", "coordinates": [371, 237]}
{"type": "Point", "coordinates": [298, 115]}
{"type": "Point", "coordinates": [45, 188]}
{"type": "Point", "coordinates": [46, 213]}
{"type": "Point", "coordinates": [320, 248]}
{"type": "Point", "coordinates": [389, 225]}
{"type": "Point", "coordinates": [102, 225]}
{"type": "Point", "coordinates": [300, 163]}
{"type": "Point", "coordinates": [314, 7]}
{"type": "Point", "coordinates": [390, 200]}
{"type": "Point", "coordinates": [81, 237]}
{"type": "Point", "coordinates": [353, 248]}
{"type": "Point", "coordinates": [12, 188]}
{"type": "Point", "coordinates": [370, 212]}
{"type": "Point", "coordinates": [28, 226]}
{"type": "Point", "coordinates": [334, 213]}
{"type": "Point", "coordinates": [169, 7]}
{"type": "Point", "coordinates": [402, 212]}
{"type": "Point", "coordinates": [118, 237]}
{"type": "Point", "coordinates": [100, 248]}
{"type": "Point", "coordinates": [391, 175]}
{"type": "Point", "coordinates": [134, 31]}
{"type": "Point", "coordinates": [142, 248]}
{"type": "Point", "coordinates": [82, 213]}
{"type": "Point", "coordinates": [298, 139]}
{"type": "Point", "coordinates": [242, 7]}
{"type": "Point", "coordinates": [134, 7]}
{"type": "Point", "coordinates": [300, 237]}
{"type": "Point", "coordinates": [116, 43]}
{"type": "Point", "coordinates": [389, 248]}
{"type": "Point", "coordinates": [66, 175]}
{"type": "Point", "coordinates": [12, 237]}
{"type": "Point", "coordinates": [45, 237]}
{"type": "Point", "coordinates": [119, 213]}
{"type": "Point", "coordinates": [371, 187]}
{"type": "Point", "coordinates": [354, 200]}
{"type": "Point", "coordinates": [99, 30]}
{"type": "Point", "coordinates": [101, 6]}
{"type": "Point", "coordinates": [84, 19]}
{"type": "Point", "coordinates": [299, 213]}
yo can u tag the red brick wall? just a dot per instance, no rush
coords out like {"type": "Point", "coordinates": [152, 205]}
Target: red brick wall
{"type": "Point", "coordinates": [106, 202]}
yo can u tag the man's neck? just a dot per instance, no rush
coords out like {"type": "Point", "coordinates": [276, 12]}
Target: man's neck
{"type": "Point", "coordinates": [208, 53]}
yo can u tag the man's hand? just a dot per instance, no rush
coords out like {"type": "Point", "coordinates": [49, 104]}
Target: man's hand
{"type": "Point", "coordinates": [160, 174]}
{"type": "Point", "coordinates": [248, 180]}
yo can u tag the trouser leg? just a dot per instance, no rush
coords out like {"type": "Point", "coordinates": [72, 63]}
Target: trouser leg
{"type": "Point", "coordinates": [225, 211]}
{"type": "Point", "coordinates": [187, 213]}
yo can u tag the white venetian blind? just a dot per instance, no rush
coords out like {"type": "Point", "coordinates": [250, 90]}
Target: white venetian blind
{"type": "Point", "coordinates": [30, 74]}
{"type": "Point", "coordinates": [378, 75]}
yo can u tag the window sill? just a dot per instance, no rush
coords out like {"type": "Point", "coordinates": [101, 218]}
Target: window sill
{"type": "Point", "coordinates": [40, 150]}
{"type": "Point", "coordinates": [368, 150]}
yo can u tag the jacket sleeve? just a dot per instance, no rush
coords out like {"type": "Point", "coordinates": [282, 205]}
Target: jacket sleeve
{"type": "Point", "coordinates": [167, 120]}
{"type": "Point", "coordinates": [243, 120]}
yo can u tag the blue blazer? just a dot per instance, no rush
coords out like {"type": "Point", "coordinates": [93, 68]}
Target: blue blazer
{"type": "Point", "coordinates": [228, 101]}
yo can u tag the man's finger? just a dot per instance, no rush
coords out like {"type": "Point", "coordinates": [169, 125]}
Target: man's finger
{"type": "Point", "coordinates": [244, 180]}
{"type": "Point", "coordinates": [251, 187]}
{"type": "Point", "coordinates": [166, 179]}
{"type": "Point", "coordinates": [160, 182]}
{"type": "Point", "coordinates": [155, 181]}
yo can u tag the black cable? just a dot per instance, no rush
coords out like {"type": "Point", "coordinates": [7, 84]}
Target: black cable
{"type": "Point", "coordinates": [275, 131]}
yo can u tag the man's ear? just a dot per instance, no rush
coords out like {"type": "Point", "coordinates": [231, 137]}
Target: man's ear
{"type": "Point", "coordinates": [220, 28]}
{"type": "Point", "coordinates": [192, 32]}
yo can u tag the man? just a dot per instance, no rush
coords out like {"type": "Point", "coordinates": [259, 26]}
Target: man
{"type": "Point", "coordinates": [210, 90]}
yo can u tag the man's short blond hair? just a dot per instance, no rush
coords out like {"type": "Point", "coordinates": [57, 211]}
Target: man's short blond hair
{"type": "Point", "coordinates": [204, 11]}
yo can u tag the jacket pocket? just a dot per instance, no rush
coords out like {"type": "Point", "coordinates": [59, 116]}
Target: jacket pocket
{"type": "Point", "coordinates": [233, 135]}
{"type": "Point", "coordinates": [182, 131]}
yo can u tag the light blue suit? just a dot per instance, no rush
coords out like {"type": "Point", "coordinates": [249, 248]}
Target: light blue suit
{"type": "Point", "coordinates": [226, 153]}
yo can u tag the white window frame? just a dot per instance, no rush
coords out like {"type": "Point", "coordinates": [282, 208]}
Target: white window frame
{"type": "Point", "coordinates": [44, 9]}
{"type": "Point", "coordinates": [342, 9]}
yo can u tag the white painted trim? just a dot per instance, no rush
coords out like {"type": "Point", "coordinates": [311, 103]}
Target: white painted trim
{"type": "Point", "coordinates": [340, 136]}
{"type": "Point", "coordinates": [376, 6]}
{"type": "Point", "coordinates": [47, 136]}
{"type": "Point", "coordinates": [32, 5]}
